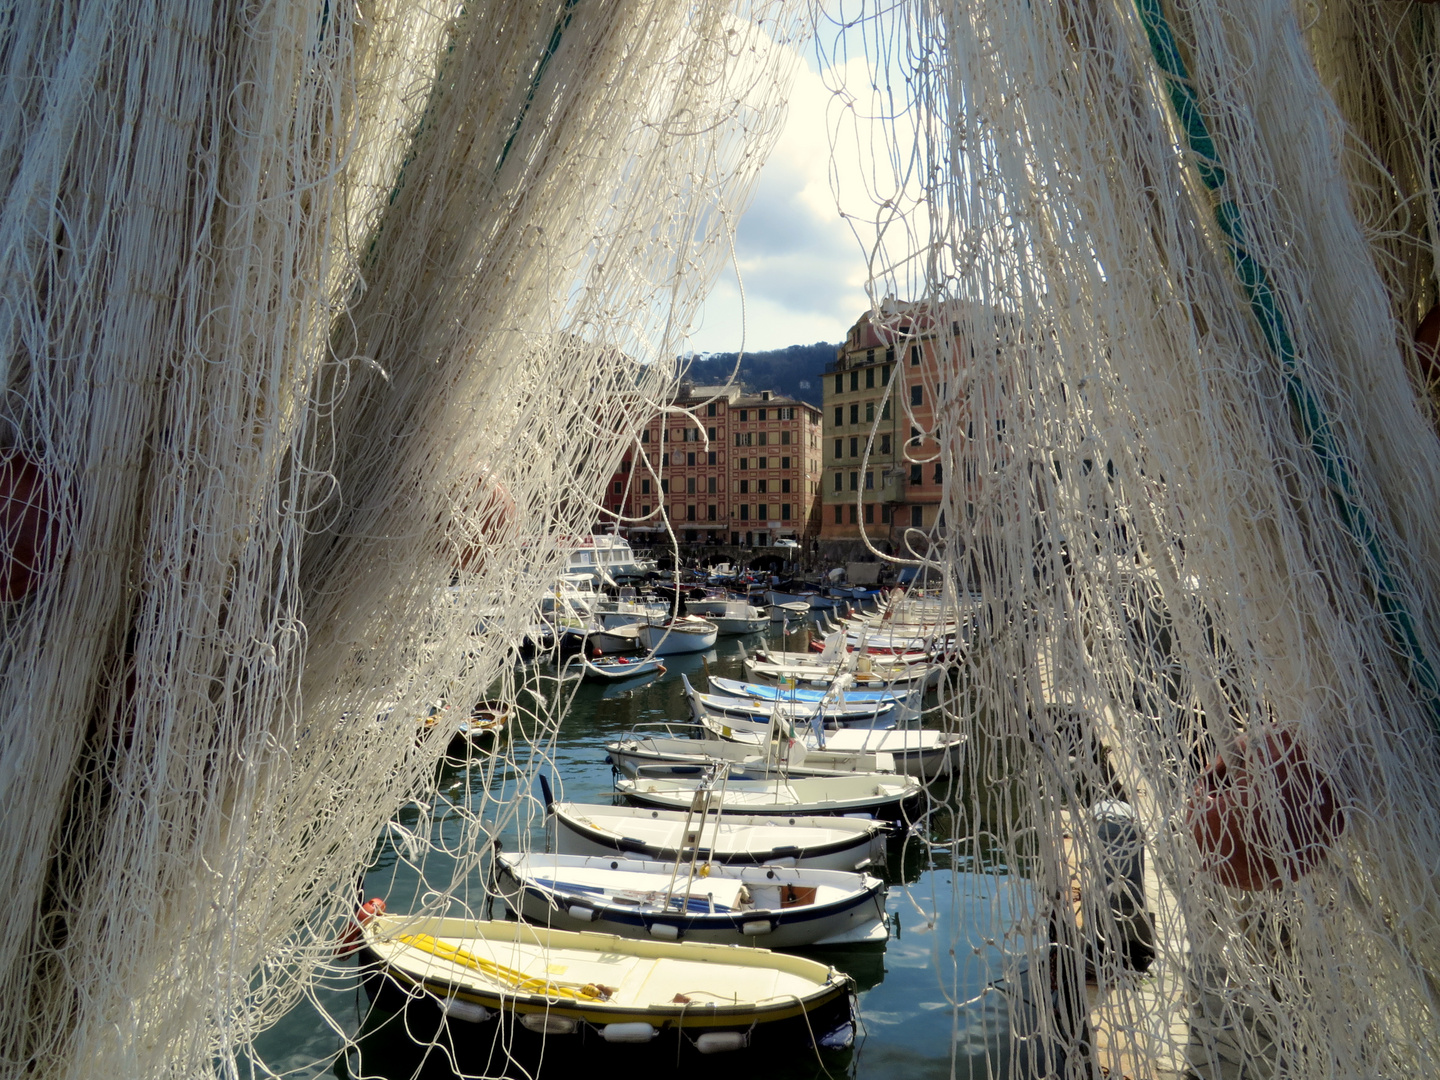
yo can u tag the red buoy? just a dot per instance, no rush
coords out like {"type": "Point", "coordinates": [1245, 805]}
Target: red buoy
{"type": "Point", "coordinates": [29, 531]}
{"type": "Point", "coordinates": [351, 941]}
{"type": "Point", "coordinates": [1266, 817]}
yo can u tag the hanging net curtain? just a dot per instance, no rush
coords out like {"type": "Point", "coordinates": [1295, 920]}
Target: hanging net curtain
{"type": "Point", "coordinates": [1172, 256]}
{"type": "Point", "coordinates": [311, 311]}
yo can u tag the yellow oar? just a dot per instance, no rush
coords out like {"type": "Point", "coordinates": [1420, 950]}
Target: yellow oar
{"type": "Point", "coordinates": [518, 979]}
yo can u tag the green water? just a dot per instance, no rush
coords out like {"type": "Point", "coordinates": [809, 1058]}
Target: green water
{"type": "Point", "coordinates": [924, 996]}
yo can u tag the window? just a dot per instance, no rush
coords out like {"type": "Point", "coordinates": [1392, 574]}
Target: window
{"type": "Point", "coordinates": [710, 411]}
{"type": "Point", "coordinates": [784, 511]}
{"type": "Point", "coordinates": [619, 486]}
{"type": "Point", "coordinates": [870, 378]}
{"type": "Point", "coordinates": [689, 485]}
{"type": "Point", "coordinates": [644, 487]}
{"type": "Point", "coordinates": [748, 436]}
{"type": "Point", "coordinates": [760, 485]}
{"type": "Point", "coordinates": [784, 463]}
{"type": "Point", "coordinates": [914, 355]}
{"type": "Point", "coordinates": [839, 514]}
{"type": "Point", "coordinates": [739, 439]}
{"type": "Point", "coordinates": [885, 412]}
{"type": "Point", "coordinates": [852, 513]}
{"type": "Point", "coordinates": [710, 484]}
{"type": "Point", "coordinates": [689, 513]}
{"type": "Point", "coordinates": [710, 458]}
{"type": "Point", "coordinates": [690, 458]}
{"type": "Point", "coordinates": [763, 463]}
{"type": "Point", "coordinates": [744, 414]}
{"type": "Point", "coordinates": [854, 481]}
{"type": "Point", "coordinates": [855, 380]}
{"type": "Point", "coordinates": [784, 438]}
{"type": "Point", "coordinates": [735, 539]}
{"type": "Point", "coordinates": [917, 395]}
{"type": "Point", "coordinates": [839, 383]}
{"type": "Point", "coordinates": [869, 411]}
{"type": "Point", "coordinates": [645, 510]}
{"type": "Point", "coordinates": [677, 458]}
{"type": "Point", "coordinates": [665, 435]}
{"type": "Point", "coordinates": [760, 512]}
{"type": "Point", "coordinates": [889, 359]}
{"type": "Point", "coordinates": [839, 415]}
{"type": "Point", "coordinates": [761, 439]}
{"type": "Point", "coordinates": [855, 447]}
{"type": "Point", "coordinates": [869, 513]}
{"type": "Point", "coordinates": [839, 449]}
{"type": "Point", "coordinates": [917, 516]}
{"type": "Point", "coordinates": [645, 435]}
{"type": "Point", "coordinates": [760, 414]}
{"type": "Point", "coordinates": [884, 513]}
{"type": "Point", "coordinates": [869, 481]}
{"type": "Point", "coordinates": [664, 485]}
{"type": "Point", "coordinates": [869, 356]}
{"type": "Point", "coordinates": [710, 433]}
{"type": "Point", "coordinates": [744, 463]}
{"type": "Point", "coordinates": [914, 436]}
{"type": "Point", "coordinates": [915, 474]}
{"type": "Point", "coordinates": [710, 510]}
{"type": "Point", "coordinates": [744, 487]}
{"type": "Point", "coordinates": [855, 413]}
{"type": "Point", "coordinates": [884, 444]}
{"type": "Point", "coordinates": [939, 475]}
{"type": "Point", "coordinates": [744, 512]}
{"type": "Point", "coordinates": [785, 486]}
{"type": "Point", "coordinates": [838, 482]}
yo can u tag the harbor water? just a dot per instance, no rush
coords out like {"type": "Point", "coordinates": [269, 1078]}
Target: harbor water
{"type": "Point", "coordinates": [932, 996]}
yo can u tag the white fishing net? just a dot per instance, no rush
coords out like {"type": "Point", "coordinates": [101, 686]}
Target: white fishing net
{"type": "Point", "coordinates": [309, 310]}
{"type": "Point", "coordinates": [1190, 485]}
{"type": "Point", "coordinates": [326, 326]}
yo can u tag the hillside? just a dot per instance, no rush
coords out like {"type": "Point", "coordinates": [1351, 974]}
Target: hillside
{"type": "Point", "coordinates": [793, 371]}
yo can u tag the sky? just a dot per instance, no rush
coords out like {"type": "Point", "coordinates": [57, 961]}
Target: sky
{"type": "Point", "coordinates": [802, 266]}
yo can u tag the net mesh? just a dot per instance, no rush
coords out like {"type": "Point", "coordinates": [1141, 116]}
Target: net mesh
{"type": "Point", "coordinates": [326, 325]}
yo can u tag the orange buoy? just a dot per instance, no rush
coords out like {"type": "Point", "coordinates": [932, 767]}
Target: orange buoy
{"type": "Point", "coordinates": [1266, 817]}
{"type": "Point", "coordinates": [351, 941]}
{"type": "Point", "coordinates": [29, 531]}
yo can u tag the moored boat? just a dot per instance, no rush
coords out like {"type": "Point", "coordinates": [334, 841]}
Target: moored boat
{"type": "Point", "coordinates": [676, 636]}
{"type": "Point", "coordinates": [659, 752]}
{"type": "Point", "coordinates": [776, 907]}
{"type": "Point", "coordinates": [835, 843]}
{"type": "Point", "coordinates": [622, 668]}
{"type": "Point", "coordinates": [916, 751]}
{"type": "Point", "coordinates": [890, 797]}
{"type": "Point", "coordinates": [623, 990]}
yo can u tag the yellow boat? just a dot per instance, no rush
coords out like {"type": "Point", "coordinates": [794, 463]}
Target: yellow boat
{"type": "Point", "coordinates": [619, 990]}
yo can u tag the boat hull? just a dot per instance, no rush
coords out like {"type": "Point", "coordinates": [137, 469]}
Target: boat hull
{"type": "Point", "coordinates": [758, 840]}
{"type": "Point", "coordinates": [886, 800]}
{"type": "Point", "coordinates": [438, 996]}
{"type": "Point", "coordinates": [674, 641]}
{"type": "Point", "coordinates": [856, 917]}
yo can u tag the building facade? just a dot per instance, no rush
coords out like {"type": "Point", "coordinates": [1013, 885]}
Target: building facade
{"type": "Point", "coordinates": [884, 469]}
{"type": "Point", "coordinates": [741, 469]}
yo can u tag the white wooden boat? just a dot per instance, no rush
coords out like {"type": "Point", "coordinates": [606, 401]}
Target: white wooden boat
{"type": "Point", "coordinates": [890, 797]}
{"type": "Point", "coordinates": [730, 616]}
{"type": "Point", "coordinates": [622, 668]}
{"type": "Point", "coordinates": [625, 990]}
{"type": "Point", "coordinates": [659, 753]}
{"type": "Point", "coordinates": [771, 692]}
{"type": "Point", "coordinates": [916, 751]}
{"type": "Point", "coordinates": [775, 907]}
{"type": "Point", "coordinates": [834, 843]}
{"type": "Point", "coordinates": [676, 636]}
{"type": "Point", "coordinates": [868, 714]}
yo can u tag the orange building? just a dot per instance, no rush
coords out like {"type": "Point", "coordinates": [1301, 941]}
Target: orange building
{"type": "Point", "coordinates": [724, 468]}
